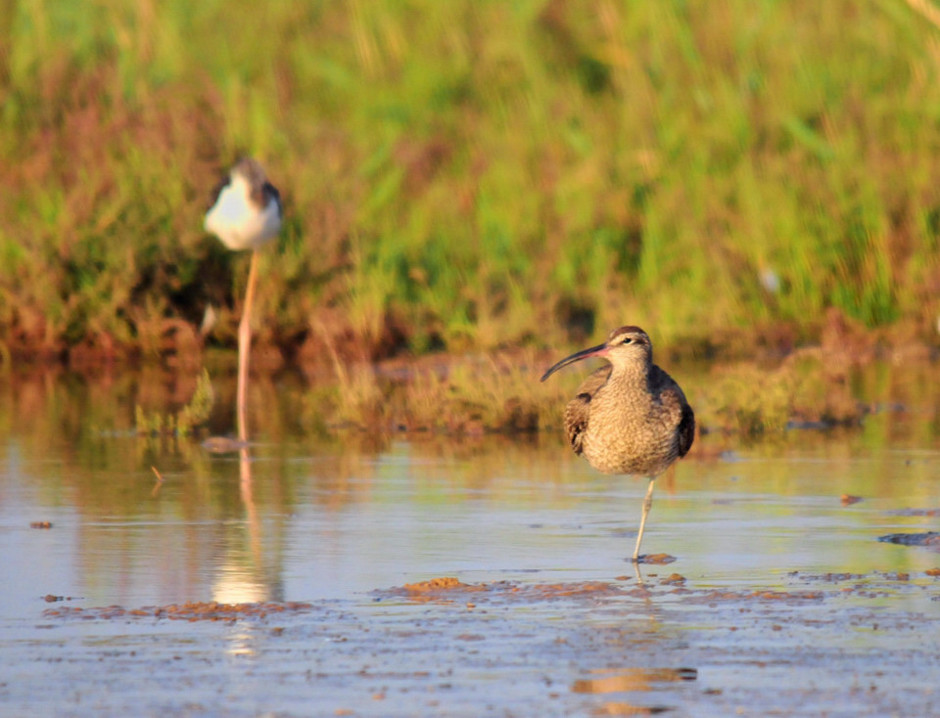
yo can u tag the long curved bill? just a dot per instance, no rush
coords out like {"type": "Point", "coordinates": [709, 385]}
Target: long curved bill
{"type": "Point", "coordinates": [599, 350]}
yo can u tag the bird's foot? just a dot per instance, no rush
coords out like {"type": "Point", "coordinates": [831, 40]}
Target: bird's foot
{"type": "Point", "coordinates": [654, 558]}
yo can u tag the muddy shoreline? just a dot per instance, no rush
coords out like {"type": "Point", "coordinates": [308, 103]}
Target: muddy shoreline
{"type": "Point", "coordinates": [809, 644]}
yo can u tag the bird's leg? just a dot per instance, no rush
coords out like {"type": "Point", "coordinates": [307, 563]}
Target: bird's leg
{"type": "Point", "coordinates": [244, 346]}
{"type": "Point", "coordinates": [647, 504]}
{"type": "Point", "coordinates": [639, 575]}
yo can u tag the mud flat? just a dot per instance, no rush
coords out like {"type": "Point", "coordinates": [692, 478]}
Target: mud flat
{"type": "Point", "coordinates": [833, 644]}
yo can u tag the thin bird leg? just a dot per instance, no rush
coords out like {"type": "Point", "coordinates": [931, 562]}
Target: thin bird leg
{"type": "Point", "coordinates": [244, 346]}
{"type": "Point", "coordinates": [647, 504]}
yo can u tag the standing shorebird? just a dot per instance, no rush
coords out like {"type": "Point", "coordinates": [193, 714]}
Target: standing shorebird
{"type": "Point", "coordinates": [245, 214]}
{"type": "Point", "coordinates": [628, 417]}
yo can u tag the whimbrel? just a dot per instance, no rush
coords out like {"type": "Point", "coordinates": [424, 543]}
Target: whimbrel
{"type": "Point", "coordinates": [245, 214]}
{"type": "Point", "coordinates": [629, 416]}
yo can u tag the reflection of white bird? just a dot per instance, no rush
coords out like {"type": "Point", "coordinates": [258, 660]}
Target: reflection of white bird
{"type": "Point", "coordinates": [245, 214]}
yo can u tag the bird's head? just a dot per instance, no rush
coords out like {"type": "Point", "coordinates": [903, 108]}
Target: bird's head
{"type": "Point", "coordinates": [249, 169]}
{"type": "Point", "coordinates": [628, 345]}
{"type": "Point", "coordinates": [625, 347]}
{"type": "Point", "coordinates": [250, 172]}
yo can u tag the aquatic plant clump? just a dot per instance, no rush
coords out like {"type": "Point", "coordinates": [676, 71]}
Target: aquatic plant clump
{"type": "Point", "coordinates": [185, 422]}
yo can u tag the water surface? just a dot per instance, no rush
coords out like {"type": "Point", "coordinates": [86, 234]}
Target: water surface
{"type": "Point", "coordinates": [781, 595]}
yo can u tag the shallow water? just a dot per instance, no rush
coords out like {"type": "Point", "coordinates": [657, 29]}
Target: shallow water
{"type": "Point", "coordinates": [781, 597]}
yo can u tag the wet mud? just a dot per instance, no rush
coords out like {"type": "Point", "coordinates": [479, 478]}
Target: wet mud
{"type": "Point", "coordinates": [641, 645]}
{"type": "Point", "coordinates": [189, 611]}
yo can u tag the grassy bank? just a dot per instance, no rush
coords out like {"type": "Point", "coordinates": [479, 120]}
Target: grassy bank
{"type": "Point", "coordinates": [469, 175]}
{"type": "Point", "coordinates": [742, 400]}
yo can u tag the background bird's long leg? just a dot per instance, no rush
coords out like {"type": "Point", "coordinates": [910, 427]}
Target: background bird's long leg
{"type": "Point", "coordinates": [244, 347]}
{"type": "Point", "coordinates": [647, 504]}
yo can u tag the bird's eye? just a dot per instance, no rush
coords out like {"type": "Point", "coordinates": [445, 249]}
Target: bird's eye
{"type": "Point", "coordinates": [628, 340]}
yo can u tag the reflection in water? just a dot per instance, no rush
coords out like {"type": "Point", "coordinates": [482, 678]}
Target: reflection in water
{"type": "Point", "coordinates": [626, 680]}
{"type": "Point", "coordinates": [628, 709]}
{"type": "Point", "coordinates": [242, 641]}
{"type": "Point", "coordinates": [632, 679]}
{"type": "Point", "coordinates": [303, 515]}
{"type": "Point", "coordinates": [247, 573]}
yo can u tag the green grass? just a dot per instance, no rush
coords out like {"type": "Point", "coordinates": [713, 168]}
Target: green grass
{"type": "Point", "coordinates": [469, 174]}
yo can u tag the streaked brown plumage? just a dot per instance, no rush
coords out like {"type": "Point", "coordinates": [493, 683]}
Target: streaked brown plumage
{"type": "Point", "coordinates": [628, 417]}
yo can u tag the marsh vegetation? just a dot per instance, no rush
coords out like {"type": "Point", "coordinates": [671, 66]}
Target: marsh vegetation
{"type": "Point", "coordinates": [474, 178]}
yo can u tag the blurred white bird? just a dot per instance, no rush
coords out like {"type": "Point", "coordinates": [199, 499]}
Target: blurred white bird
{"type": "Point", "coordinates": [245, 214]}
